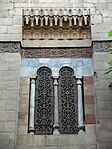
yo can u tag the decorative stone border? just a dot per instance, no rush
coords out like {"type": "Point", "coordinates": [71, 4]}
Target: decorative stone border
{"type": "Point", "coordinates": [102, 46]}
{"type": "Point", "coordinates": [58, 53]}
{"type": "Point", "coordinates": [12, 47]}
{"type": "Point", "coordinates": [98, 46]}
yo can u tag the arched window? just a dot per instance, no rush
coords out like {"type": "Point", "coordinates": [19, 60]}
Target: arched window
{"type": "Point", "coordinates": [56, 105]}
{"type": "Point", "coordinates": [43, 121]}
{"type": "Point", "coordinates": [68, 102]}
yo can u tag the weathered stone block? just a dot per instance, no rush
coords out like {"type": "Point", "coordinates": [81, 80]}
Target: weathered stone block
{"type": "Point", "coordinates": [89, 99]}
{"type": "Point", "coordinates": [88, 90]}
{"type": "Point", "coordinates": [104, 95]}
{"type": "Point", "coordinates": [38, 140]}
{"type": "Point", "coordinates": [22, 129]}
{"type": "Point", "coordinates": [8, 116]}
{"type": "Point", "coordinates": [23, 118]}
{"type": "Point", "coordinates": [90, 129]}
{"type": "Point", "coordinates": [68, 147]}
{"type": "Point", "coordinates": [9, 95]}
{"type": "Point", "coordinates": [2, 127]}
{"type": "Point", "coordinates": [64, 140]}
{"type": "Point", "coordinates": [6, 6]}
{"type": "Point", "coordinates": [3, 29]}
{"type": "Point", "coordinates": [10, 127]}
{"type": "Point", "coordinates": [92, 146]}
{"type": "Point", "coordinates": [5, 21]}
{"type": "Point", "coordinates": [88, 80]}
{"type": "Point", "coordinates": [24, 90]}
{"type": "Point", "coordinates": [89, 109]}
{"type": "Point", "coordinates": [10, 37]}
{"type": "Point", "coordinates": [24, 81]}
{"type": "Point", "coordinates": [7, 138]}
{"type": "Point", "coordinates": [14, 29]}
{"type": "Point", "coordinates": [104, 125]}
{"type": "Point", "coordinates": [51, 140]}
{"type": "Point", "coordinates": [82, 147]}
{"type": "Point", "coordinates": [3, 105]}
{"type": "Point", "coordinates": [12, 105]}
{"type": "Point", "coordinates": [91, 139]}
{"type": "Point", "coordinates": [13, 66]}
{"type": "Point", "coordinates": [4, 14]}
{"type": "Point", "coordinates": [102, 84]}
{"type": "Point", "coordinates": [104, 114]}
{"type": "Point", "coordinates": [90, 119]}
{"type": "Point", "coordinates": [104, 105]}
{"type": "Point", "coordinates": [11, 146]}
{"type": "Point", "coordinates": [21, 141]}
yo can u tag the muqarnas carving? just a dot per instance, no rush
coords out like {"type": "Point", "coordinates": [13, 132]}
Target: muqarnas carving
{"type": "Point", "coordinates": [54, 24]}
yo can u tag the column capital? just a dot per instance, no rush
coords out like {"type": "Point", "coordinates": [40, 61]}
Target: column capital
{"type": "Point", "coordinates": [55, 77]}
{"type": "Point", "coordinates": [79, 81]}
{"type": "Point", "coordinates": [55, 80]}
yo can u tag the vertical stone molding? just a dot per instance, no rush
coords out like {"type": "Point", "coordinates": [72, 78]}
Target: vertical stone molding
{"type": "Point", "coordinates": [32, 104]}
{"type": "Point", "coordinates": [56, 116]}
{"type": "Point", "coordinates": [80, 107]}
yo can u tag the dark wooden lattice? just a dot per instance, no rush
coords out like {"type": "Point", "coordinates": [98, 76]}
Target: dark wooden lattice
{"type": "Point", "coordinates": [44, 102]}
{"type": "Point", "coordinates": [68, 102]}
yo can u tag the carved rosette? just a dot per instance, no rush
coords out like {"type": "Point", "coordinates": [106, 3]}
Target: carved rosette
{"type": "Point", "coordinates": [54, 24]}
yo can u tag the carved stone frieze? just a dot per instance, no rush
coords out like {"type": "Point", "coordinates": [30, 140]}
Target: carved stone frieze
{"type": "Point", "coordinates": [102, 46]}
{"type": "Point", "coordinates": [57, 52]}
{"type": "Point", "coordinates": [12, 47]}
{"type": "Point", "coordinates": [54, 24]}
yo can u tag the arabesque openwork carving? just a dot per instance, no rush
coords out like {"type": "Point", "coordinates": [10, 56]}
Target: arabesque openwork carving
{"type": "Point", "coordinates": [44, 102]}
{"type": "Point", "coordinates": [68, 110]}
{"type": "Point", "coordinates": [56, 24]}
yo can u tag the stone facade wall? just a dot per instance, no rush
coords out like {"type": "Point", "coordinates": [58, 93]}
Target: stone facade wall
{"type": "Point", "coordinates": [103, 100]}
{"type": "Point", "coordinates": [9, 97]}
{"type": "Point", "coordinates": [29, 67]}
{"type": "Point", "coordinates": [11, 15]}
{"type": "Point", "coordinates": [14, 116]}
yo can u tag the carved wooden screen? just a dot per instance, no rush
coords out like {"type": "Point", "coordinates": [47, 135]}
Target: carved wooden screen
{"type": "Point", "coordinates": [44, 102]}
{"type": "Point", "coordinates": [68, 102]}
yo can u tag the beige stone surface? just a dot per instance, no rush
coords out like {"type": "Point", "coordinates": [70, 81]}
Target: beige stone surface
{"type": "Point", "coordinates": [9, 95]}
{"type": "Point", "coordinates": [103, 100]}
